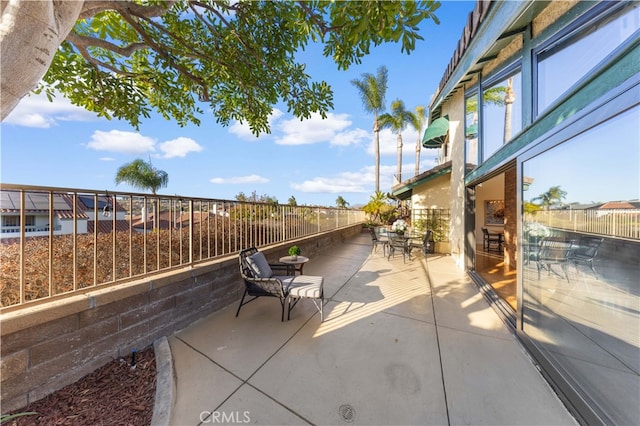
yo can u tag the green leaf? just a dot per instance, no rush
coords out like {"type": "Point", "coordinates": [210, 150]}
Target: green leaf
{"type": "Point", "coordinates": [237, 60]}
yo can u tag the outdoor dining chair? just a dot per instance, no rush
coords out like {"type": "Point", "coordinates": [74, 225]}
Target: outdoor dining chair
{"type": "Point", "coordinates": [586, 251]}
{"type": "Point", "coordinates": [400, 243]}
{"type": "Point", "coordinates": [554, 251]}
{"type": "Point", "coordinates": [491, 239]}
{"type": "Point", "coordinates": [378, 242]}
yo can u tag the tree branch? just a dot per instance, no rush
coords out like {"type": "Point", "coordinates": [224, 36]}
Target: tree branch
{"type": "Point", "coordinates": [159, 49]}
{"type": "Point", "coordinates": [317, 20]}
{"type": "Point", "coordinates": [86, 41]}
{"type": "Point", "coordinates": [91, 8]}
{"type": "Point", "coordinates": [97, 63]}
{"type": "Point", "coordinates": [216, 12]}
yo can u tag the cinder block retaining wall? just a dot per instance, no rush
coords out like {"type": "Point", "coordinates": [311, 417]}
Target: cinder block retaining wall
{"type": "Point", "coordinates": [46, 347]}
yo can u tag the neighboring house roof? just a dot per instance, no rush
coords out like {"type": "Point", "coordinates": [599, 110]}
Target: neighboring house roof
{"type": "Point", "coordinates": [609, 205]}
{"type": "Point", "coordinates": [39, 202]}
{"type": "Point", "coordinates": [106, 226]}
{"type": "Point", "coordinates": [88, 204]}
{"type": "Point", "coordinates": [578, 206]}
{"type": "Point", "coordinates": [168, 219]}
{"type": "Point", "coordinates": [618, 205]}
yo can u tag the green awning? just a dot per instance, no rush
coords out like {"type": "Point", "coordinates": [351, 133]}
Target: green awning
{"type": "Point", "coordinates": [472, 131]}
{"type": "Point", "coordinates": [436, 133]}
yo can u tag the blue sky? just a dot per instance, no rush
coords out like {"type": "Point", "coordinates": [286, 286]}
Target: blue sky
{"type": "Point", "coordinates": [315, 161]}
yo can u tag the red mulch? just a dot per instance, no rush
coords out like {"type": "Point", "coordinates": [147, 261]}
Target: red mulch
{"type": "Point", "coordinates": [113, 394]}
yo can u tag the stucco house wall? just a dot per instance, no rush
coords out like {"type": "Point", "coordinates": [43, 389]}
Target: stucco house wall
{"type": "Point", "coordinates": [454, 108]}
{"type": "Point", "coordinates": [434, 194]}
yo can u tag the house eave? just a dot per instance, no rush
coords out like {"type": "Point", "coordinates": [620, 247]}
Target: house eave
{"type": "Point", "coordinates": [404, 189]}
{"type": "Point", "coordinates": [491, 26]}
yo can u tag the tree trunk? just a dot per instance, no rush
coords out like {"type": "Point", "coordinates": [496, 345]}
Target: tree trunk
{"type": "Point", "coordinates": [30, 34]}
{"type": "Point", "coordinates": [418, 147]}
{"type": "Point", "coordinates": [399, 147]}
{"type": "Point", "coordinates": [376, 130]}
{"type": "Point", "coordinates": [509, 99]}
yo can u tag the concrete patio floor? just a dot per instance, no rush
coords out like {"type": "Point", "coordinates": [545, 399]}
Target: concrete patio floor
{"type": "Point", "coordinates": [402, 344]}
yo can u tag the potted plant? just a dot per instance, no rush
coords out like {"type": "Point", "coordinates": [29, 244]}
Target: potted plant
{"type": "Point", "coordinates": [294, 252]}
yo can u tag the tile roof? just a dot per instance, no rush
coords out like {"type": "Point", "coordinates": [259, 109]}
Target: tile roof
{"type": "Point", "coordinates": [106, 226]}
{"type": "Point", "coordinates": [39, 202]}
{"type": "Point", "coordinates": [169, 219]}
{"type": "Point", "coordinates": [617, 205]}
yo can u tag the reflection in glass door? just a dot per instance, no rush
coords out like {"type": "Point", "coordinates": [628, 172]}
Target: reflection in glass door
{"type": "Point", "coordinates": [581, 235]}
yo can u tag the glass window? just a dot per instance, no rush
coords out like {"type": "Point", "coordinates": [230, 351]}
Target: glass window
{"type": "Point", "coordinates": [10, 220]}
{"type": "Point", "coordinates": [29, 221]}
{"type": "Point", "coordinates": [581, 245]}
{"type": "Point", "coordinates": [565, 62]}
{"type": "Point", "coordinates": [471, 129]}
{"type": "Point", "coordinates": [501, 113]}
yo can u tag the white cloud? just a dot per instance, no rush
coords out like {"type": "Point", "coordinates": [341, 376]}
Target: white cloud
{"type": "Point", "coordinates": [37, 111]}
{"type": "Point", "coordinates": [313, 130]}
{"type": "Point", "coordinates": [136, 144]}
{"type": "Point", "coordinates": [243, 131]}
{"type": "Point", "coordinates": [389, 142]}
{"type": "Point", "coordinates": [179, 147]}
{"type": "Point", "coordinates": [239, 179]}
{"type": "Point", "coordinates": [346, 182]}
{"type": "Point", "coordinates": [30, 120]}
{"type": "Point", "coordinates": [107, 159]}
{"type": "Point", "coordinates": [331, 185]}
{"type": "Point", "coordinates": [123, 142]}
{"type": "Point", "coordinates": [293, 131]}
{"type": "Point", "coordinates": [363, 180]}
{"type": "Point", "coordinates": [351, 137]}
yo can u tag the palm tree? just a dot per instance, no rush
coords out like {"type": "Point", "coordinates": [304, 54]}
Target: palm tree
{"type": "Point", "coordinates": [493, 96]}
{"type": "Point", "coordinates": [553, 196]}
{"type": "Point", "coordinates": [341, 203]}
{"type": "Point", "coordinates": [397, 121]}
{"type": "Point", "coordinates": [509, 99]}
{"type": "Point", "coordinates": [372, 92]}
{"type": "Point", "coordinates": [377, 207]}
{"type": "Point", "coordinates": [142, 175]}
{"type": "Point", "coordinates": [418, 122]}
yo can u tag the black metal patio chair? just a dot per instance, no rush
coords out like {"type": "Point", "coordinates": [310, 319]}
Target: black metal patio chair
{"type": "Point", "coordinates": [491, 239]}
{"type": "Point", "coordinates": [585, 252]}
{"type": "Point", "coordinates": [427, 243]}
{"type": "Point", "coordinates": [399, 243]}
{"type": "Point", "coordinates": [554, 251]}
{"type": "Point", "coordinates": [378, 242]}
{"type": "Point", "coordinates": [259, 278]}
{"type": "Point", "coordinates": [289, 288]}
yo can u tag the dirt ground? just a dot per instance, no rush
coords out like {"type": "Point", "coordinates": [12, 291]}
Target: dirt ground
{"type": "Point", "coordinates": [115, 394]}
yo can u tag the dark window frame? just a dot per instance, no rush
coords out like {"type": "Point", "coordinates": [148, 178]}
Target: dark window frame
{"type": "Point", "coordinates": [570, 34]}
{"type": "Point", "coordinates": [512, 68]}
